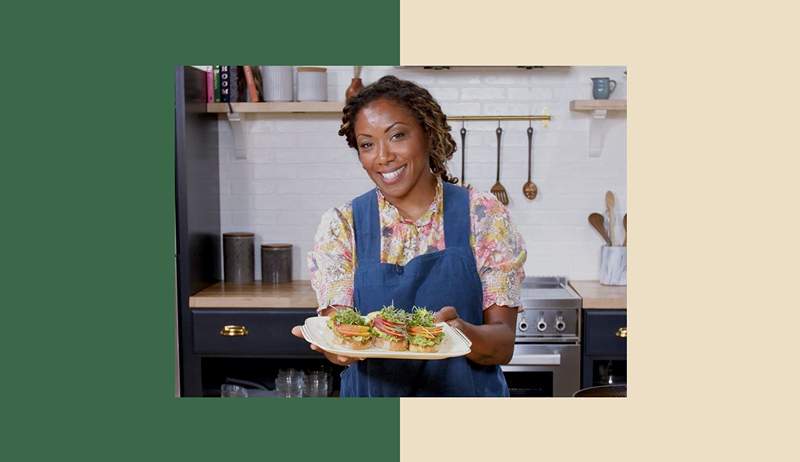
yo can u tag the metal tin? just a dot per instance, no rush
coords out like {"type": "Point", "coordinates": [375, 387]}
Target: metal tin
{"type": "Point", "coordinates": [276, 263]}
{"type": "Point", "coordinates": [239, 257]}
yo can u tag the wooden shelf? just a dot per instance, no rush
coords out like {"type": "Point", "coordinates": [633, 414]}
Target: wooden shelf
{"type": "Point", "coordinates": [289, 107]}
{"type": "Point", "coordinates": [598, 105]}
{"type": "Point", "coordinates": [599, 111]}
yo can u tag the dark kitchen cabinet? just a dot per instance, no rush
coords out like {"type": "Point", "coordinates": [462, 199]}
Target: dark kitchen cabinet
{"type": "Point", "coordinates": [604, 346]}
{"type": "Point", "coordinates": [257, 356]}
{"type": "Point", "coordinates": [197, 209]}
{"type": "Point", "coordinates": [268, 333]}
{"type": "Point", "coordinates": [206, 355]}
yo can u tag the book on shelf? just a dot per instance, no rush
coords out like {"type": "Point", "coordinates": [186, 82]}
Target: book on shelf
{"type": "Point", "coordinates": [217, 97]}
{"type": "Point", "coordinates": [224, 84]}
{"type": "Point", "coordinates": [209, 86]}
{"type": "Point", "coordinates": [241, 84]}
{"type": "Point", "coordinates": [234, 71]}
{"type": "Point", "coordinates": [235, 84]}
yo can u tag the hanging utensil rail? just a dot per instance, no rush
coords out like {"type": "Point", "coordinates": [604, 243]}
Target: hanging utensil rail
{"type": "Point", "coordinates": [500, 117]}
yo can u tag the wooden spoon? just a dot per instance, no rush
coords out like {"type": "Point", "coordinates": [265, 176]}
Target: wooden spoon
{"type": "Point", "coordinates": [529, 189]}
{"type": "Point", "coordinates": [610, 201]}
{"type": "Point", "coordinates": [625, 225]}
{"type": "Point", "coordinates": [498, 190]}
{"type": "Point", "coordinates": [597, 221]}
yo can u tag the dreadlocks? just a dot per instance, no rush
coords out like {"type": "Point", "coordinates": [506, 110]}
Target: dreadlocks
{"type": "Point", "coordinates": [420, 103]}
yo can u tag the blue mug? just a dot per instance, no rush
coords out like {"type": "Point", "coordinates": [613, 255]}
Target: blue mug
{"type": "Point", "coordinates": [602, 87]}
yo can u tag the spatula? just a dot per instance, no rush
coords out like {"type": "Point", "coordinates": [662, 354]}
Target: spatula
{"type": "Point", "coordinates": [597, 221]}
{"type": "Point", "coordinates": [529, 189]}
{"type": "Point", "coordinates": [498, 190]}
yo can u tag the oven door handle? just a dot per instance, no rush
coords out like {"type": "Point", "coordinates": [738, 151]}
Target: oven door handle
{"type": "Point", "coordinates": [536, 360]}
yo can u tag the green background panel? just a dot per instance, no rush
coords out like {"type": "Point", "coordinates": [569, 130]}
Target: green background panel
{"type": "Point", "coordinates": [88, 228]}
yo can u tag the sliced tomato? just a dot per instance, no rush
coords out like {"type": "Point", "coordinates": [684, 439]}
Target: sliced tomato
{"type": "Point", "coordinates": [391, 323]}
{"type": "Point", "coordinates": [383, 326]}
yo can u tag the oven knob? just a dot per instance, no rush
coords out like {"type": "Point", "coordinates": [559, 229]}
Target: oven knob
{"type": "Point", "coordinates": [523, 325]}
{"type": "Point", "coordinates": [560, 325]}
{"type": "Point", "coordinates": [541, 325]}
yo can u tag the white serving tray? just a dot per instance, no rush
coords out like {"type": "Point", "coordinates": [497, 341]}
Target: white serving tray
{"type": "Point", "coordinates": [316, 331]}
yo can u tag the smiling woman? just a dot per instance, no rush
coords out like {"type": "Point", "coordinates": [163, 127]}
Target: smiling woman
{"type": "Point", "coordinates": [418, 240]}
{"type": "Point", "coordinates": [402, 139]}
{"type": "Point", "coordinates": [393, 148]}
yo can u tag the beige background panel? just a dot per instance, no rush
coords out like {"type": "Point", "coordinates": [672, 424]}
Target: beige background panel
{"type": "Point", "coordinates": [513, 32]}
{"type": "Point", "coordinates": [712, 161]}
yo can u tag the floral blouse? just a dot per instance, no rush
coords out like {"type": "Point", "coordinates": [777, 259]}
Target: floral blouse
{"type": "Point", "coordinates": [498, 248]}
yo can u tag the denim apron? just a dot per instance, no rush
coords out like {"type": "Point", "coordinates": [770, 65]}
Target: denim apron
{"type": "Point", "coordinates": [445, 278]}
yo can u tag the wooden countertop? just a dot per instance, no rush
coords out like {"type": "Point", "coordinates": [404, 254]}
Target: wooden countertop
{"type": "Point", "coordinates": [295, 294]}
{"type": "Point", "coordinates": [299, 294]}
{"type": "Point", "coordinates": [597, 296]}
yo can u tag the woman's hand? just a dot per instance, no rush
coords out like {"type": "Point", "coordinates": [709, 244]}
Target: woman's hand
{"type": "Point", "coordinates": [449, 315]}
{"type": "Point", "coordinates": [492, 341]}
{"type": "Point", "coordinates": [334, 358]}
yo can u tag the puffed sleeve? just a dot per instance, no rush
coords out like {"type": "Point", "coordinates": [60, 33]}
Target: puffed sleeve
{"type": "Point", "coordinates": [499, 250]}
{"type": "Point", "coordinates": [331, 262]}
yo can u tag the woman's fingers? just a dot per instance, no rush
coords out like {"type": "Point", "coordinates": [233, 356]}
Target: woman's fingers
{"type": "Point", "coordinates": [336, 359]}
{"type": "Point", "coordinates": [447, 313]}
{"type": "Point", "coordinates": [346, 360]}
{"type": "Point", "coordinates": [342, 360]}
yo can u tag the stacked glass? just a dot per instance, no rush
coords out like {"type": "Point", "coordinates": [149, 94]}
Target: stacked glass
{"type": "Point", "coordinates": [290, 383]}
{"type": "Point", "coordinates": [316, 384]}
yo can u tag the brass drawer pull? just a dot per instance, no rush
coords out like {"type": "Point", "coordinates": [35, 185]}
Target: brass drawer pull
{"type": "Point", "coordinates": [233, 331]}
{"type": "Point", "coordinates": [622, 332]}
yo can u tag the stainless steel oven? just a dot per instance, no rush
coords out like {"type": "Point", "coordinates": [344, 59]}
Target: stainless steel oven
{"type": "Point", "coordinates": [547, 357]}
{"type": "Point", "coordinates": [543, 370]}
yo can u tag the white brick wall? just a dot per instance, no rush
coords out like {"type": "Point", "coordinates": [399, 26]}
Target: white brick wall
{"type": "Point", "coordinates": [297, 166]}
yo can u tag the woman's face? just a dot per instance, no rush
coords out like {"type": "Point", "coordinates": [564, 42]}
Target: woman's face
{"type": "Point", "coordinates": [392, 147]}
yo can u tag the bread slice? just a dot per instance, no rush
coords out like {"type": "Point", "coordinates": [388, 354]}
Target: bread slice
{"type": "Point", "coordinates": [424, 349]}
{"type": "Point", "coordinates": [387, 344]}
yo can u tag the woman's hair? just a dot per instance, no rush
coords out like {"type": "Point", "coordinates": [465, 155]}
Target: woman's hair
{"type": "Point", "coordinates": [420, 103]}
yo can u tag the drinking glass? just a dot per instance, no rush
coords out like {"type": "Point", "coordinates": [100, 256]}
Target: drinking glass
{"type": "Point", "coordinates": [228, 390]}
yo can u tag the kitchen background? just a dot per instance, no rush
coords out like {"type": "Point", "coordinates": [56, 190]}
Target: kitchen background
{"type": "Point", "coordinates": [289, 169]}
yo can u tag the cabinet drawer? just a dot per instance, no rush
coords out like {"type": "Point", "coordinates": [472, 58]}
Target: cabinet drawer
{"type": "Point", "coordinates": [268, 332]}
{"type": "Point", "coordinates": [600, 332]}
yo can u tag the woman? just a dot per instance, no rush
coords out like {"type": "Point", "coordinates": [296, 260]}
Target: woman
{"type": "Point", "coordinates": [418, 239]}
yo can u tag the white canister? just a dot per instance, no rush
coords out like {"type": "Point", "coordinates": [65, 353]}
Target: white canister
{"type": "Point", "coordinates": [278, 83]}
{"type": "Point", "coordinates": [312, 84]}
{"type": "Point", "coordinates": [614, 265]}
